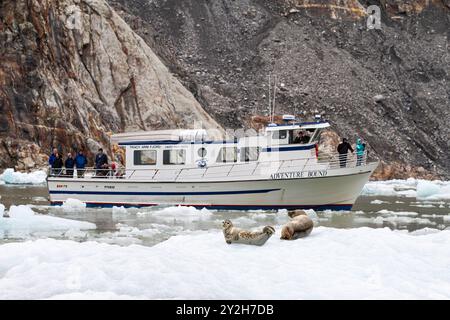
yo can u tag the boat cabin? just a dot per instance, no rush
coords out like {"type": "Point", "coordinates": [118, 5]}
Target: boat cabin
{"type": "Point", "coordinates": [176, 149]}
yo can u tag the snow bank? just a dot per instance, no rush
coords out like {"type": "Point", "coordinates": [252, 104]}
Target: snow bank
{"type": "Point", "coordinates": [11, 177]}
{"type": "Point", "coordinates": [415, 188]}
{"type": "Point", "coordinates": [24, 222]}
{"type": "Point", "coordinates": [73, 205]}
{"type": "Point", "coordinates": [331, 263]}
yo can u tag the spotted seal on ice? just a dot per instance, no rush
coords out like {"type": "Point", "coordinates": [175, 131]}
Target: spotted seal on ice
{"type": "Point", "coordinates": [299, 227]}
{"type": "Point", "coordinates": [236, 235]}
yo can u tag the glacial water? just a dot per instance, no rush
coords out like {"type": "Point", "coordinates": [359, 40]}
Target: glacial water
{"type": "Point", "coordinates": [149, 226]}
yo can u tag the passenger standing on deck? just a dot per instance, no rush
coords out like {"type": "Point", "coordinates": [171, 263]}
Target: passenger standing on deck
{"type": "Point", "coordinates": [101, 162]}
{"type": "Point", "coordinates": [80, 163]}
{"type": "Point", "coordinates": [69, 164]}
{"type": "Point", "coordinates": [57, 165]}
{"type": "Point", "coordinates": [52, 157]}
{"type": "Point", "coordinates": [343, 150]}
{"type": "Point", "coordinates": [360, 148]}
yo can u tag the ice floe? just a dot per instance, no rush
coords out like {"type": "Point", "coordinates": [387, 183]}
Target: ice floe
{"type": "Point", "coordinates": [9, 176]}
{"type": "Point", "coordinates": [73, 205]}
{"type": "Point", "coordinates": [415, 188]}
{"type": "Point", "coordinates": [181, 213]}
{"type": "Point", "coordinates": [361, 263]}
{"type": "Point", "coordinates": [23, 222]}
{"type": "Point", "coordinates": [398, 213]}
{"type": "Point", "coordinates": [376, 201]}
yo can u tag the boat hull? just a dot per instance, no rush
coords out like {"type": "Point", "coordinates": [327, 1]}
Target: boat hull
{"type": "Point", "coordinates": [335, 192]}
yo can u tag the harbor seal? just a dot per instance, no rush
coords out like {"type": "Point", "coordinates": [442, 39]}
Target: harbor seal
{"type": "Point", "coordinates": [236, 235]}
{"type": "Point", "coordinates": [299, 227]}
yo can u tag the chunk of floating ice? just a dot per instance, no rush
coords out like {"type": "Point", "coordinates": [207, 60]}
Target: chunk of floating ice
{"type": "Point", "coordinates": [433, 190]}
{"type": "Point", "coordinates": [447, 218]}
{"type": "Point", "coordinates": [23, 222]}
{"type": "Point", "coordinates": [398, 213]}
{"type": "Point", "coordinates": [119, 210]}
{"type": "Point", "coordinates": [376, 201]}
{"type": "Point", "coordinates": [181, 211]}
{"type": "Point", "coordinates": [2, 210]}
{"type": "Point", "coordinates": [73, 205]}
{"type": "Point", "coordinates": [195, 267]}
{"type": "Point", "coordinates": [420, 189]}
{"type": "Point", "coordinates": [424, 231]}
{"type": "Point", "coordinates": [11, 177]}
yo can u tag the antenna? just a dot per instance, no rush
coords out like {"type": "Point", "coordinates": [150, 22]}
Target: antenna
{"type": "Point", "coordinates": [270, 108]}
{"type": "Point", "coordinates": [274, 94]}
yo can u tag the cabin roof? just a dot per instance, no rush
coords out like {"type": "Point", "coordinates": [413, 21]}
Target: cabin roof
{"type": "Point", "coordinates": [175, 135]}
{"type": "Point", "coordinates": [300, 125]}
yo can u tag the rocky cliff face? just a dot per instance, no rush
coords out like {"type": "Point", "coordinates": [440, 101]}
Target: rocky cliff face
{"type": "Point", "coordinates": [389, 86]}
{"type": "Point", "coordinates": [69, 81]}
{"type": "Point", "coordinates": [71, 71]}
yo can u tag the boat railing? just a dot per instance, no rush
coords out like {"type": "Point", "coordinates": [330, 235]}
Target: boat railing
{"type": "Point", "coordinates": [322, 162]}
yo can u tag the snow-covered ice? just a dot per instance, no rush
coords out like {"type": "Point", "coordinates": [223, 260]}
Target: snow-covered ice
{"type": "Point", "coordinates": [397, 213]}
{"type": "Point", "coordinates": [9, 176]}
{"type": "Point", "coordinates": [376, 201]}
{"type": "Point", "coordinates": [415, 188]}
{"type": "Point", "coordinates": [24, 222]}
{"type": "Point", "coordinates": [360, 263]}
{"type": "Point", "coordinates": [181, 213]}
{"type": "Point", "coordinates": [73, 205]}
{"type": "Point", "coordinates": [433, 190]}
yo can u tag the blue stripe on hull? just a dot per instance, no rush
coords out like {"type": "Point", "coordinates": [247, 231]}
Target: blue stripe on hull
{"type": "Point", "coordinates": [337, 207]}
{"type": "Point", "coordinates": [199, 193]}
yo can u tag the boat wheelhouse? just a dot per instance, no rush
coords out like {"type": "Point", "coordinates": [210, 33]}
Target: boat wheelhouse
{"type": "Point", "coordinates": [281, 168]}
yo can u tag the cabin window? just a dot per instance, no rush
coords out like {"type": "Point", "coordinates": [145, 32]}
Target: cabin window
{"type": "Point", "coordinates": [227, 154]}
{"type": "Point", "coordinates": [301, 136]}
{"type": "Point", "coordinates": [250, 154]}
{"type": "Point", "coordinates": [281, 134]}
{"type": "Point", "coordinates": [177, 156]}
{"type": "Point", "coordinates": [201, 152]}
{"type": "Point", "coordinates": [144, 157]}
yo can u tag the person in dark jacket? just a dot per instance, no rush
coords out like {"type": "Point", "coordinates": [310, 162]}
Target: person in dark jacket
{"type": "Point", "coordinates": [80, 163]}
{"type": "Point", "coordinates": [69, 164]}
{"type": "Point", "coordinates": [52, 157]}
{"type": "Point", "coordinates": [57, 165]}
{"type": "Point", "coordinates": [101, 162]}
{"type": "Point", "coordinates": [343, 150]}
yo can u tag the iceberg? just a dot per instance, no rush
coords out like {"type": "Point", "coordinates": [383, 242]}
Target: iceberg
{"type": "Point", "coordinates": [23, 222]}
{"type": "Point", "coordinates": [73, 205]}
{"type": "Point", "coordinates": [414, 188]}
{"type": "Point", "coordinates": [11, 177]}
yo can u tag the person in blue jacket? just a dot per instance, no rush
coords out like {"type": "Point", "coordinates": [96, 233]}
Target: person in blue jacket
{"type": "Point", "coordinates": [69, 164]}
{"type": "Point", "coordinates": [80, 163]}
{"type": "Point", "coordinates": [360, 148]}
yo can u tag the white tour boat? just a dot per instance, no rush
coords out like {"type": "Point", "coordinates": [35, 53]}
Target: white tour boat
{"type": "Point", "coordinates": [182, 167]}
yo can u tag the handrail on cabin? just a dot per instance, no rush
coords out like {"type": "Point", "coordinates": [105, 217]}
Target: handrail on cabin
{"type": "Point", "coordinates": [332, 161]}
